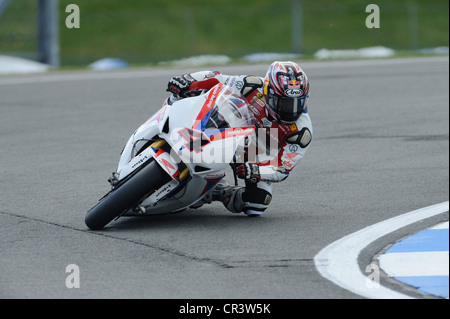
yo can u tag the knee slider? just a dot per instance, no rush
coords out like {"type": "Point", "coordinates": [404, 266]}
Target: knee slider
{"type": "Point", "coordinates": [257, 196]}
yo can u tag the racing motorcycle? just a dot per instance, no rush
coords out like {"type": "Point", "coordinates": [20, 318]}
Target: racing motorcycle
{"type": "Point", "coordinates": [176, 156]}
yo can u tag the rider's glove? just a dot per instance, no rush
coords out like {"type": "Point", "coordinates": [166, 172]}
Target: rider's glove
{"type": "Point", "coordinates": [180, 85]}
{"type": "Point", "coordinates": [248, 171]}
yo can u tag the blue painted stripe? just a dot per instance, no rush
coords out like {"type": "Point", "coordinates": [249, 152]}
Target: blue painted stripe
{"type": "Point", "coordinates": [425, 240]}
{"type": "Point", "coordinates": [205, 121]}
{"type": "Point", "coordinates": [432, 285]}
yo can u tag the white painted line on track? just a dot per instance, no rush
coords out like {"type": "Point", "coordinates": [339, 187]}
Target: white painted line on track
{"type": "Point", "coordinates": [441, 226]}
{"type": "Point", "coordinates": [338, 262]}
{"type": "Point", "coordinates": [423, 263]}
{"type": "Point", "coordinates": [420, 261]}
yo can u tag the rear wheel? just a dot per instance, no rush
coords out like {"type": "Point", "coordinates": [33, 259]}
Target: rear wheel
{"type": "Point", "coordinates": [126, 196]}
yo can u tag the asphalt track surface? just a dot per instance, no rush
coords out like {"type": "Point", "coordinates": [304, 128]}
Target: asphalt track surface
{"type": "Point", "coordinates": [380, 149]}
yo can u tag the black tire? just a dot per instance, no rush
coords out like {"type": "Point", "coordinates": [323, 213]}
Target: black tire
{"type": "Point", "coordinates": [145, 181]}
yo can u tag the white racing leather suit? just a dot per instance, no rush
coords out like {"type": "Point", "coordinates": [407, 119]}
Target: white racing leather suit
{"type": "Point", "coordinates": [291, 141]}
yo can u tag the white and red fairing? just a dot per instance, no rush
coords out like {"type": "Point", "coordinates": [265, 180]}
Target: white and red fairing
{"type": "Point", "coordinates": [206, 150]}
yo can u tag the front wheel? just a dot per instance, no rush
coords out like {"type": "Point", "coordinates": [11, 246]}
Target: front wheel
{"type": "Point", "coordinates": [144, 182]}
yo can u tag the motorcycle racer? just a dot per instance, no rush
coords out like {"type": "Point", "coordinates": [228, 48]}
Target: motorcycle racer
{"type": "Point", "coordinates": [278, 105]}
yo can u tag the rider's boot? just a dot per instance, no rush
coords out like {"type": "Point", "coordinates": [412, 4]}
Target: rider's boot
{"type": "Point", "coordinates": [230, 196]}
{"type": "Point", "coordinates": [222, 192]}
{"type": "Point", "coordinates": [233, 199]}
{"type": "Point", "coordinates": [206, 199]}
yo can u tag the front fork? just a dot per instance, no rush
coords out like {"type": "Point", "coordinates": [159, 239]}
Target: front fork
{"type": "Point", "coordinates": [174, 167]}
{"type": "Point", "coordinates": [160, 152]}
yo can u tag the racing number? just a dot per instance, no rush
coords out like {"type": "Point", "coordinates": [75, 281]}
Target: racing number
{"type": "Point", "coordinates": [195, 140]}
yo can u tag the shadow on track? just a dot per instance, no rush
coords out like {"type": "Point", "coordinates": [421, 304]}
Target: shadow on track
{"type": "Point", "coordinates": [193, 219]}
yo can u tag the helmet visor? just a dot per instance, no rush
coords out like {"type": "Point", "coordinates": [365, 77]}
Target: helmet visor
{"type": "Point", "coordinates": [288, 109]}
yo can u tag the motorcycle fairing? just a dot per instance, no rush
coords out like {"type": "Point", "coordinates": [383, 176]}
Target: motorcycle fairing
{"type": "Point", "coordinates": [219, 117]}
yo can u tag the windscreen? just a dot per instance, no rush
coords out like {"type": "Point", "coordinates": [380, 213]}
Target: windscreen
{"type": "Point", "coordinates": [230, 110]}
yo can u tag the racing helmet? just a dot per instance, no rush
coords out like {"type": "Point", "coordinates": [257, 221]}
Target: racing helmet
{"type": "Point", "coordinates": [286, 90]}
